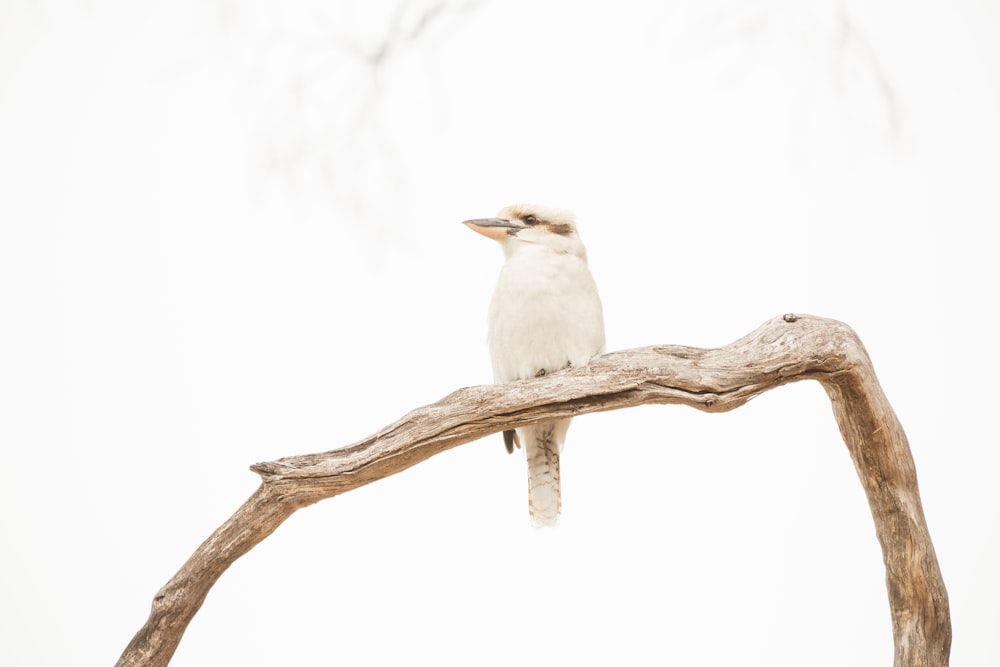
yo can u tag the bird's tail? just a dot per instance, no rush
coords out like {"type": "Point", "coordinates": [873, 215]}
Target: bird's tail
{"type": "Point", "coordinates": [542, 444]}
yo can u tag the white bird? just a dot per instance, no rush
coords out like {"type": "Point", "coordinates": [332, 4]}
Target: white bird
{"type": "Point", "coordinates": [545, 315]}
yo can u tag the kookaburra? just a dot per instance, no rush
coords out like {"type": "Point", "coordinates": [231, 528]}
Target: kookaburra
{"type": "Point", "coordinates": [545, 316]}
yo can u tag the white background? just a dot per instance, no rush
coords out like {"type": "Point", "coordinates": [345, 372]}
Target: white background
{"type": "Point", "coordinates": [229, 232]}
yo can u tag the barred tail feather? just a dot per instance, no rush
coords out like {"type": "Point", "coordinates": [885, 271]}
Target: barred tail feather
{"type": "Point", "coordinates": [542, 444]}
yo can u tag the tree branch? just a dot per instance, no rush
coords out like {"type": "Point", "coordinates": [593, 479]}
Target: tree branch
{"type": "Point", "coordinates": [785, 349]}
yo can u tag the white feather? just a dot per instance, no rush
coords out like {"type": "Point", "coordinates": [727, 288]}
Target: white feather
{"type": "Point", "coordinates": [545, 315]}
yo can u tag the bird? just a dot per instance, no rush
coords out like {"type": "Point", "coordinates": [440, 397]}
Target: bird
{"type": "Point", "coordinates": [545, 315]}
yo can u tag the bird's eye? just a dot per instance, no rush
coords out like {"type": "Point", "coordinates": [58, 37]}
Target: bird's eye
{"type": "Point", "coordinates": [530, 220]}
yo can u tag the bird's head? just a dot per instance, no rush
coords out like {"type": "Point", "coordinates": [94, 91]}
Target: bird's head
{"type": "Point", "coordinates": [521, 226]}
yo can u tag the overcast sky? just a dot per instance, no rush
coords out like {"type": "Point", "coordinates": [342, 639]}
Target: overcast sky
{"type": "Point", "coordinates": [229, 232]}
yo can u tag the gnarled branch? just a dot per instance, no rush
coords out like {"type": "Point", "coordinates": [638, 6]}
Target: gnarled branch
{"type": "Point", "coordinates": [785, 349]}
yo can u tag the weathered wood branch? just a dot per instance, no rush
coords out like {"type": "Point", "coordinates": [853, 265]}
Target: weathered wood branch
{"type": "Point", "coordinates": [785, 349]}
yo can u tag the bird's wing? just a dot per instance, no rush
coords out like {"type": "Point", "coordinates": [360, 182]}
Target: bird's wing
{"type": "Point", "coordinates": [510, 439]}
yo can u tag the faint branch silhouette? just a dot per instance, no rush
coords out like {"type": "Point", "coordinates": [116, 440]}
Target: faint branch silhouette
{"type": "Point", "coordinates": [331, 103]}
{"type": "Point", "coordinates": [852, 41]}
{"type": "Point", "coordinates": [829, 36]}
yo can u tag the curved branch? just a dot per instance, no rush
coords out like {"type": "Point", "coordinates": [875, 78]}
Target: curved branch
{"type": "Point", "coordinates": [784, 349]}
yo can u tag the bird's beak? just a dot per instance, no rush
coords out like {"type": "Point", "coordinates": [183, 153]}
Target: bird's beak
{"type": "Point", "coordinates": [494, 228]}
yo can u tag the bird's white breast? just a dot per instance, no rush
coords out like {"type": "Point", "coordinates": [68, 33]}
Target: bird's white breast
{"type": "Point", "coordinates": [545, 314]}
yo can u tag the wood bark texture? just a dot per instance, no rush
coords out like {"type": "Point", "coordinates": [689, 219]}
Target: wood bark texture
{"type": "Point", "coordinates": [784, 349]}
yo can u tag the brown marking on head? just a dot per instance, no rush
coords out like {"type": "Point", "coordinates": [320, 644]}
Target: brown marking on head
{"type": "Point", "coordinates": [554, 220]}
{"type": "Point", "coordinates": [560, 229]}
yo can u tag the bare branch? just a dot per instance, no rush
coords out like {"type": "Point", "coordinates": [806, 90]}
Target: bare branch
{"type": "Point", "coordinates": [785, 349]}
